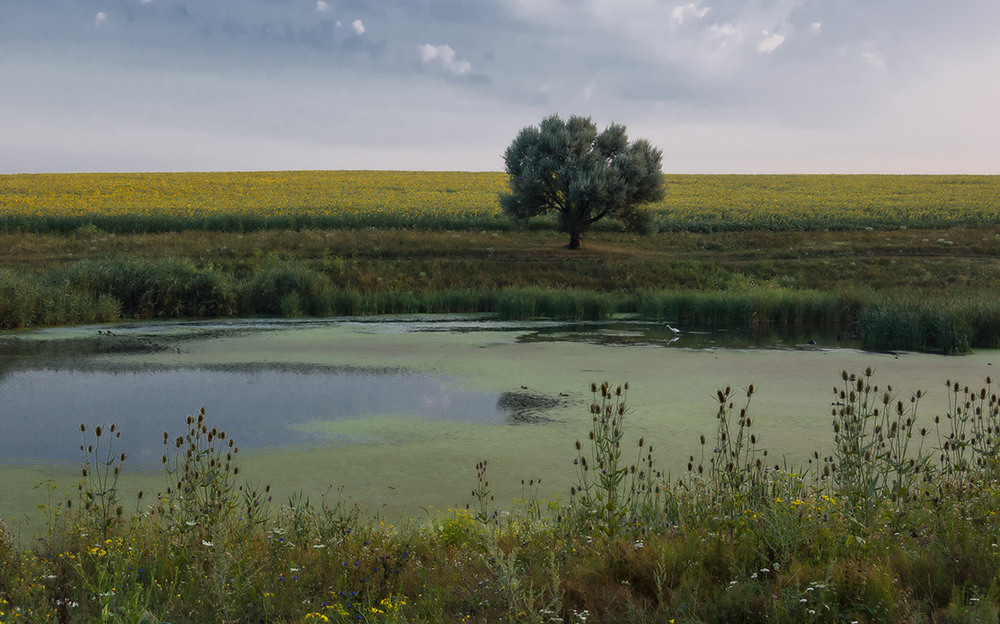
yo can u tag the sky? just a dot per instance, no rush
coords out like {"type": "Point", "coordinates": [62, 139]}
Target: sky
{"type": "Point", "coordinates": [720, 86]}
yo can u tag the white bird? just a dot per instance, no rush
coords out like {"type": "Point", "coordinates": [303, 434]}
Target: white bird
{"type": "Point", "coordinates": [673, 329]}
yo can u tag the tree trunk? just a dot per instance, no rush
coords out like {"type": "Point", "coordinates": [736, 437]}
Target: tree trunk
{"type": "Point", "coordinates": [574, 240]}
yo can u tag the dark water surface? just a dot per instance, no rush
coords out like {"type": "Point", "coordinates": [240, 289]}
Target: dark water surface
{"type": "Point", "coordinates": [43, 408]}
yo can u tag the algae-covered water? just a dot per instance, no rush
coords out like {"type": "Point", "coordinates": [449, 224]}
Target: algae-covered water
{"type": "Point", "coordinates": [394, 413]}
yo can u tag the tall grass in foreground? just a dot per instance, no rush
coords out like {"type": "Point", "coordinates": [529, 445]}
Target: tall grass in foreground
{"type": "Point", "coordinates": [879, 531]}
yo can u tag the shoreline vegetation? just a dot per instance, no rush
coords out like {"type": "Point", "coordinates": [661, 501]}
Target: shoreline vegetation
{"type": "Point", "coordinates": [897, 524]}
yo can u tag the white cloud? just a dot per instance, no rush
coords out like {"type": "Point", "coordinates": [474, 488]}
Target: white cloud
{"type": "Point", "coordinates": [682, 12]}
{"type": "Point", "coordinates": [770, 43]}
{"type": "Point", "coordinates": [100, 18]}
{"type": "Point", "coordinates": [588, 91]}
{"type": "Point", "coordinates": [874, 61]}
{"type": "Point", "coordinates": [321, 5]}
{"type": "Point", "coordinates": [726, 34]}
{"type": "Point", "coordinates": [816, 28]}
{"type": "Point", "coordinates": [358, 27]}
{"type": "Point", "coordinates": [446, 56]}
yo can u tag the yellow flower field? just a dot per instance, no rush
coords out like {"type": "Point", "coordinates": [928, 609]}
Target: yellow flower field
{"type": "Point", "coordinates": [255, 200]}
{"type": "Point", "coordinates": [258, 193]}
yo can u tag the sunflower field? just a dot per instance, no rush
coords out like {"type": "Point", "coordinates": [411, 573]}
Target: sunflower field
{"type": "Point", "coordinates": [247, 201]}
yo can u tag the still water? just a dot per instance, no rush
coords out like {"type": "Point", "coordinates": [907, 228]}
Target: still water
{"type": "Point", "coordinates": [397, 411]}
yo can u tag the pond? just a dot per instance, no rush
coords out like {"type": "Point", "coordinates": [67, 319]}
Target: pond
{"type": "Point", "coordinates": [394, 413]}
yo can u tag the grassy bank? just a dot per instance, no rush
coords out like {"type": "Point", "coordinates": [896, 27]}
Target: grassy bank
{"type": "Point", "coordinates": [898, 524]}
{"type": "Point", "coordinates": [721, 283]}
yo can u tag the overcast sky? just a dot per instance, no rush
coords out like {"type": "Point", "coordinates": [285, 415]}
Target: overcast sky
{"type": "Point", "coordinates": [721, 86]}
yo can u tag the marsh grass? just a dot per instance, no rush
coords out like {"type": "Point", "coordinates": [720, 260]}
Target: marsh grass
{"type": "Point", "coordinates": [92, 291]}
{"type": "Point", "coordinates": [899, 289]}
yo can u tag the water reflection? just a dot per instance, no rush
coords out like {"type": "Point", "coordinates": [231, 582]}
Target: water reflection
{"type": "Point", "coordinates": [649, 333]}
{"type": "Point", "coordinates": [266, 405]}
{"type": "Point", "coordinates": [51, 380]}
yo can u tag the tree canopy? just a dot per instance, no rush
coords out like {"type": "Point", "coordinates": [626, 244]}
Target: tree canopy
{"type": "Point", "coordinates": [583, 175]}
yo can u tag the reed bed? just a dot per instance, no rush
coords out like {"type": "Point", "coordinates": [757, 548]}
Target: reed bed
{"type": "Point", "coordinates": [243, 202]}
{"type": "Point", "coordinates": [124, 288]}
{"type": "Point", "coordinates": [897, 524]}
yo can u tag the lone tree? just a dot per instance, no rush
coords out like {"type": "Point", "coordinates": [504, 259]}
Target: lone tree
{"type": "Point", "coordinates": [584, 176]}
